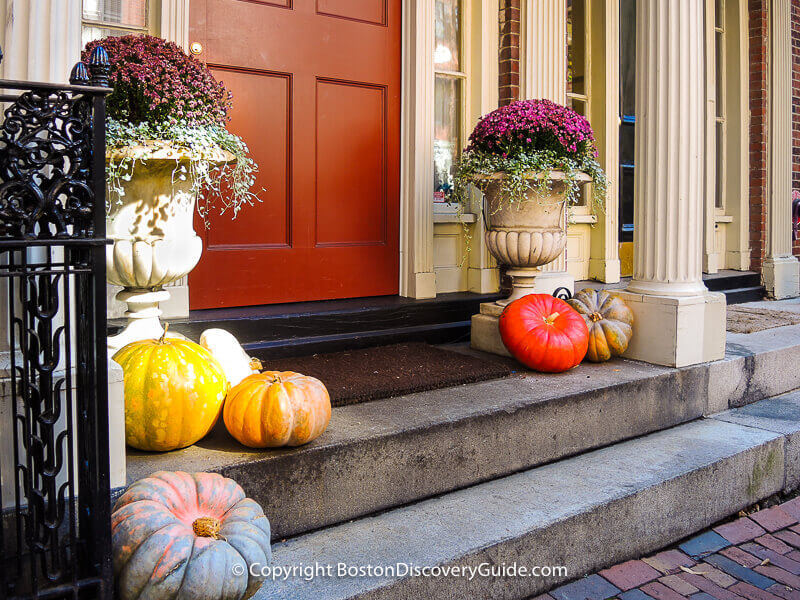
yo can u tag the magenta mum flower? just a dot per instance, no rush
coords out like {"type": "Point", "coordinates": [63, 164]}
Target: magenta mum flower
{"type": "Point", "coordinates": [532, 125]}
{"type": "Point", "coordinates": [156, 82]}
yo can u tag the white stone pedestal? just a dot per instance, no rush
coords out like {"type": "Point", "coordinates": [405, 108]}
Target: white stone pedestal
{"type": "Point", "coordinates": [485, 334]}
{"type": "Point", "coordinates": [782, 277]}
{"type": "Point", "coordinates": [676, 331]}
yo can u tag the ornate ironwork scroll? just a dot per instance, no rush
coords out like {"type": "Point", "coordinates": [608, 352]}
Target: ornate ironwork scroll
{"type": "Point", "coordinates": [55, 538]}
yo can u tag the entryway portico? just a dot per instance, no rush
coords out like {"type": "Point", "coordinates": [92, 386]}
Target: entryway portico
{"type": "Point", "coordinates": [432, 241]}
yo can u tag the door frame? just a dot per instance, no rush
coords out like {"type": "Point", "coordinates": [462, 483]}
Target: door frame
{"type": "Point", "coordinates": [417, 278]}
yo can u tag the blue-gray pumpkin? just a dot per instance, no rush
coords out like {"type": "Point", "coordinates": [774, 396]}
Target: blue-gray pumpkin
{"type": "Point", "coordinates": [187, 535]}
{"type": "Point", "coordinates": [609, 320]}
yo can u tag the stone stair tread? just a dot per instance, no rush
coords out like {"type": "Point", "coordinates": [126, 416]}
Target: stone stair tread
{"type": "Point", "coordinates": [430, 443]}
{"type": "Point", "coordinates": [585, 512]}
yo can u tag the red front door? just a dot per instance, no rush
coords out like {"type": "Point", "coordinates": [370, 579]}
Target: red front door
{"type": "Point", "coordinates": [316, 96]}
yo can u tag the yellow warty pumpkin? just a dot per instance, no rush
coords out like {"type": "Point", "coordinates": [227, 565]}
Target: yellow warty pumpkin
{"type": "Point", "coordinates": [275, 408]}
{"type": "Point", "coordinates": [174, 390]}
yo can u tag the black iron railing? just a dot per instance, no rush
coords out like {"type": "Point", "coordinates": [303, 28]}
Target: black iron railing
{"type": "Point", "coordinates": [55, 538]}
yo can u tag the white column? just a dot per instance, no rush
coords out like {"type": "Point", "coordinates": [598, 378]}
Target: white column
{"type": "Point", "coordinates": [41, 41]}
{"type": "Point", "coordinates": [781, 270]}
{"type": "Point", "coordinates": [546, 77]}
{"type": "Point", "coordinates": [417, 277]}
{"type": "Point", "coordinates": [678, 322]}
{"type": "Point", "coordinates": [482, 273]}
{"type": "Point", "coordinates": [175, 22]}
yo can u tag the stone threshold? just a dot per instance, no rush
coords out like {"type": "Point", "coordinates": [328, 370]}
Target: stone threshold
{"type": "Point", "coordinates": [387, 453]}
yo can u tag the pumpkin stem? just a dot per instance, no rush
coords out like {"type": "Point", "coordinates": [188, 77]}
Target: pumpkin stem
{"type": "Point", "coordinates": [551, 319]}
{"type": "Point", "coordinates": [255, 364]}
{"type": "Point", "coordinates": [595, 317]}
{"type": "Point", "coordinates": [164, 335]}
{"type": "Point", "coordinates": [207, 527]}
{"type": "Point", "coordinates": [277, 379]}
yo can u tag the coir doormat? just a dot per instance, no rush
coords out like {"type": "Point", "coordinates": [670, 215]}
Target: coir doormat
{"type": "Point", "coordinates": [355, 376]}
{"type": "Point", "coordinates": [748, 319]}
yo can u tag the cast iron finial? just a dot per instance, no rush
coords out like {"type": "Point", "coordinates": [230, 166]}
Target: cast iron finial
{"type": "Point", "coordinates": [79, 74]}
{"type": "Point", "coordinates": [99, 67]}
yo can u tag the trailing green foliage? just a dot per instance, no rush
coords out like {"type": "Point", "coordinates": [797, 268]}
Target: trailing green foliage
{"type": "Point", "coordinates": [209, 178]}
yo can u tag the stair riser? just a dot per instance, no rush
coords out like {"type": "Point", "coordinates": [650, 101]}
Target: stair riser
{"type": "Point", "coordinates": [278, 329]}
{"type": "Point", "coordinates": [720, 284]}
{"type": "Point", "coordinates": [623, 529]}
{"type": "Point", "coordinates": [740, 296]}
{"type": "Point", "coordinates": [442, 333]}
{"type": "Point", "coordinates": [585, 513]}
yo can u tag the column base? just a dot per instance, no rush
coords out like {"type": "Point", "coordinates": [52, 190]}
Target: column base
{"type": "Point", "coordinates": [737, 260]}
{"type": "Point", "coordinates": [483, 280]}
{"type": "Point", "coordinates": [677, 331]}
{"type": "Point", "coordinates": [485, 334]}
{"type": "Point", "coordinates": [421, 285]}
{"type": "Point", "coordinates": [605, 270]}
{"type": "Point", "coordinates": [782, 277]}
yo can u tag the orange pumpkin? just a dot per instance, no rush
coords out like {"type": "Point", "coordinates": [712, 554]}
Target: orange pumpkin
{"type": "Point", "coordinates": [274, 408]}
{"type": "Point", "coordinates": [609, 320]}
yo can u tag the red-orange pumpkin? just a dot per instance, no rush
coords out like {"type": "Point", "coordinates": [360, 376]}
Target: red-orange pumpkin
{"type": "Point", "coordinates": [187, 535]}
{"type": "Point", "coordinates": [544, 333]}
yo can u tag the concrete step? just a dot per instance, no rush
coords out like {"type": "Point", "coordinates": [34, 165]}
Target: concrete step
{"type": "Point", "coordinates": [383, 454]}
{"type": "Point", "coordinates": [744, 294]}
{"type": "Point", "coordinates": [305, 328]}
{"type": "Point", "coordinates": [584, 513]}
{"type": "Point", "coordinates": [728, 280]}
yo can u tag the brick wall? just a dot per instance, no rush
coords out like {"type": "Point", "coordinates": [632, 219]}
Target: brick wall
{"type": "Point", "coordinates": [758, 26]}
{"type": "Point", "coordinates": [509, 51]}
{"type": "Point", "coordinates": [796, 103]}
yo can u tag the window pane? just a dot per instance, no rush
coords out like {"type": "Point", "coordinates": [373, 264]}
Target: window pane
{"type": "Point", "coordinates": [720, 187]}
{"type": "Point", "coordinates": [577, 104]}
{"type": "Point", "coordinates": [576, 46]}
{"type": "Point", "coordinates": [128, 13]}
{"type": "Point", "coordinates": [446, 54]}
{"type": "Point", "coordinates": [718, 50]}
{"type": "Point", "coordinates": [627, 59]}
{"type": "Point", "coordinates": [446, 136]}
{"type": "Point", "coordinates": [92, 32]}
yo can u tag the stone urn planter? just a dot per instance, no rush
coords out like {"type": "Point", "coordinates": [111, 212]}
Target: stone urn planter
{"type": "Point", "coordinates": [526, 235]}
{"type": "Point", "coordinates": [151, 224]}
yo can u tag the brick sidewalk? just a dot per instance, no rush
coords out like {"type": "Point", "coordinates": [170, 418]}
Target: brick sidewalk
{"type": "Point", "coordinates": [755, 558]}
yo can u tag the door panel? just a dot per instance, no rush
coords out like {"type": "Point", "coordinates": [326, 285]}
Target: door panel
{"type": "Point", "coordinates": [316, 92]}
{"type": "Point", "coordinates": [268, 137]}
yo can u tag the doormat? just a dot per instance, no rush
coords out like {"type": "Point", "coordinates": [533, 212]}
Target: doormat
{"type": "Point", "coordinates": [746, 319]}
{"type": "Point", "coordinates": [355, 376]}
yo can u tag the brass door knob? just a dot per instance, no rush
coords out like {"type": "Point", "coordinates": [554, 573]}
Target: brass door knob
{"type": "Point", "coordinates": [196, 48]}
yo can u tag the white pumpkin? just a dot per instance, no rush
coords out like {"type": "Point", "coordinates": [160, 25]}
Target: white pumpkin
{"type": "Point", "coordinates": [235, 362]}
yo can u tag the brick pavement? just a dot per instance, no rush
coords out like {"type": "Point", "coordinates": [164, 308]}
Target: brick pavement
{"type": "Point", "coordinates": [754, 557]}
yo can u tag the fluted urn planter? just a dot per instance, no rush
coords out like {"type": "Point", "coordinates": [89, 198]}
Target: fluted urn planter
{"type": "Point", "coordinates": [151, 226]}
{"type": "Point", "coordinates": [529, 234]}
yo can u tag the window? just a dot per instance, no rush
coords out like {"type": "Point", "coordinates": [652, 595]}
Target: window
{"type": "Point", "coordinates": [719, 102]}
{"type": "Point", "coordinates": [577, 57]}
{"type": "Point", "coordinates": [102, 18]}
{"type": "Point", "coordinates": [627, 81]}
{"type": "Point", "coordinates": [448, 96]}
{"type": "Point", "coordinates": [578, 68]}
